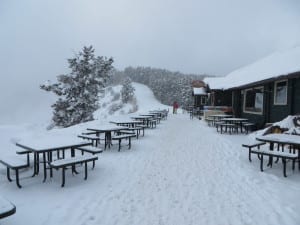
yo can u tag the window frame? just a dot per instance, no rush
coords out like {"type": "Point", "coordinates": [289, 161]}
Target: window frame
{"type": "Point", "coordinates": [203, 100]}
{"type": "Point", "coordinates": [244, 100]}
{"type": "Point", "coordinates": [275, 92]}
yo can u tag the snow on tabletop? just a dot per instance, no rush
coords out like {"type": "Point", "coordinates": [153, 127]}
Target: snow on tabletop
{"type": "Point", "coordinates": [51, 142]}
{"type": "Point", "coordinates": [108, 127]}
{"type": "Point", "coordinates": [276, 64]}
{"type": "Point", "coordinates": [282, 138]}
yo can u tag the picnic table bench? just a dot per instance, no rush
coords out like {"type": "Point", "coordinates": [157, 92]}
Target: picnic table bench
{"type": "Point", "coordinates": [95, 140]}
{"type": "Point", "coordinates": [137, 131]}
{"type": "Point", "coordinates": [15, 164]}
{"type": "Point", "coordinates": [90, 149]}
{"type": "Point", "coordinates": [123, 136]}
{"type": "Point", "coordinates": [72, 162]}
{"type": "Point", "coordinates": [228, 126]}
{"type": "Point", "coordinates": [252, 145]}
{"type": "Point", "coordinates": [283, 155]}
{"type": "Point", "coordinates": [6, 208]}
{"type": "Point", "coordinates": [248, 126]}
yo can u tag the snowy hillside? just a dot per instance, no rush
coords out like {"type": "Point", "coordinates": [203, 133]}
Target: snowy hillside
{"type": "Point", "coordinates": [182, 172]}
{"type": "Point", "coordinates": [9, 134]}
{"type": "Point", "coordinates": [111, 105]}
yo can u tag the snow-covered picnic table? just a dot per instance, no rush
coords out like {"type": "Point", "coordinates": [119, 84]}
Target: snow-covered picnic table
{"type": "Point", "coordinates": [6, 208]}
{"type": "Point", "coordinates": [146, 120]}
{"type": "Point", "coordinates": [218, 117]}
{"type": "Point", "coordinates": [47, 146]}
{"type": "Point", "coordinates": [127, 123]}
{"type": "Point", "coordinates": [237, 121]}
{"type": "Point", "coordinates": [281, 139]}
{"type": "Point", "coordinates": [107, 131]}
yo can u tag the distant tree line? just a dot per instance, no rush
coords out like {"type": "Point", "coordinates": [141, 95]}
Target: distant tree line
{"type": "Point", "coordinates": [167, 86]}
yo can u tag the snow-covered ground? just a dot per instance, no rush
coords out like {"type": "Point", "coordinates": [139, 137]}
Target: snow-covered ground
{"type": "Point", "coordinates": [183, 172]}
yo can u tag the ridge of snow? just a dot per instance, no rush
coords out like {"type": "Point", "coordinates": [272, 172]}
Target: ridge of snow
{"type": "Point", "coordinates": [277, 64]}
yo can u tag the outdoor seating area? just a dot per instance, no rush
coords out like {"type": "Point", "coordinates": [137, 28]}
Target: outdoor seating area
{"type": "Point", "coordinates": [279, 146]}
{"type": "Point", "coordinates": [76, 152]}
{"type": "Point", "coordinates": [195, 112]}
{"type": "Point", "coordinates": [225, 123]}
{"type": "Point", "coordinates": [284, 147]}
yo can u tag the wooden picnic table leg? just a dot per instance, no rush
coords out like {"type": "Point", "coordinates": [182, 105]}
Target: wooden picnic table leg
{"type": "Point", "coordinates": [45, 168]}
{"type": "Point", "coordinates": [34, 164]}
{"type": "Point", "coordinates": [284, 167]}
{"type": "Point", "coordinates": [8, 174]}
{"type": "Point", "coordinates": [93, 162]}
{"type": "Point", "coordinates": [278, 149]}
{"type": "Point", "coordinates": [37, 163]}
{"type": "Point", "coordinates": [73, 155]}
{"type": "Point", "coordinates": [261, 163]}
{"type": "Point", "coordinates": [119, 144]}
{"type": "Point", "coordinates": [17, 179]}
{"type": "Point", "coordinates": [129, 144]}
{"type": "Point", "coordinates": [250, 154]}
{"type": "Point", "coordinates": [85, 170]}
{"type": "Point", "coordinates": [50, 160]}
{"type": "Point", "coordinates": [270, 157]}
{"type": "Point", "coordinates": [63, 176]}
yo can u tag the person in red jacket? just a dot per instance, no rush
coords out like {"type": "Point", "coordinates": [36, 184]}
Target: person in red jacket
{"type": "Point", "coordinates": [175, 107]}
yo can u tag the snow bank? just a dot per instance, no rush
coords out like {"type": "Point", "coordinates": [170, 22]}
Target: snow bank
{"type": "Point", "coordinates": [286, 124]}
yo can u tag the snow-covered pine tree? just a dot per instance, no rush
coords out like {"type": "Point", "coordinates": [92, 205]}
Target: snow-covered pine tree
{"type": "Point", "coordinates": [187, 91]}
{"type": "Point", "coordinates": [127, 91]}
{"type": "Point", "coordinates": [79, 90]}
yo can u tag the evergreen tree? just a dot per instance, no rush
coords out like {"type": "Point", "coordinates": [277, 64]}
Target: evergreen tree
{"type": "Point", "coordinates": [127, 91]}
{"type": "Point", "coordinates": [79, 90]}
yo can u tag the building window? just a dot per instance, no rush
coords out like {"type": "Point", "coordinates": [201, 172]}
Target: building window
{"type": "Point", "coordinates": [212, 99]}
{"type": "Point", "coordinates": [254, 100]}
{"type": "Point", "coordinates": [203, 100]}
{"type": "Point", "coordinates": [280, 92]}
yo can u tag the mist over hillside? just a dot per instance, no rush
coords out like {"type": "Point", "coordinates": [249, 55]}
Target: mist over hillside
{"type": "Point", "coordinates": [166, 85]}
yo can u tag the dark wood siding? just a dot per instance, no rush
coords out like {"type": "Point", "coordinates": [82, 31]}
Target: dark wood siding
{"type": "Point", "coordinates": [237, 103]}
{"type": "Point", "coordinates": [223, 98]}
{"type": "Point", "coordinates": [296, 96]}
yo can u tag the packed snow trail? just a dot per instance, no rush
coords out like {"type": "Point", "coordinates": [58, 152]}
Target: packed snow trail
{"type": "Point", "coordinates": [181, 173]}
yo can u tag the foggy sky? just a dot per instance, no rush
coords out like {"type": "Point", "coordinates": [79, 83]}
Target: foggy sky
{"type": "Point", "coordinates": [191, 36]}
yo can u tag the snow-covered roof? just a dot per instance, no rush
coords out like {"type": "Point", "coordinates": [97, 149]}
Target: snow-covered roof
{"type": "Point", "coordinates": [199, 91]}
{"type": "Point", "coordinates": [277, 64]}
